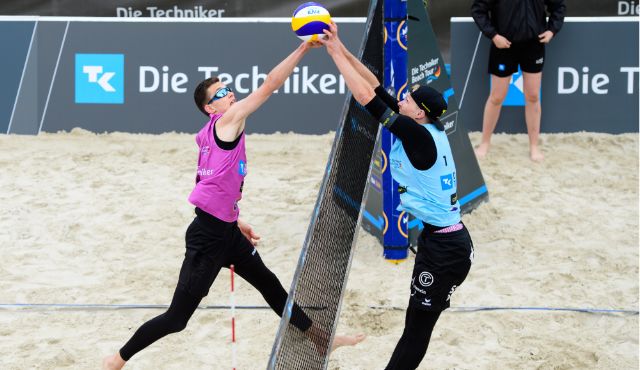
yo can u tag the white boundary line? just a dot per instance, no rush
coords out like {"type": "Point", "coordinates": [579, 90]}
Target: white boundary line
{"type": "Point", "coordinates": [621, 18]}
{"type": "Point", "coordinates": [469, 71]}
{"type": "Point", "coordinates": [53, 78]}
{"type": "Point", "coordinates": [24, 68]}
{"type": "Point", "coordinates": [22, 18]}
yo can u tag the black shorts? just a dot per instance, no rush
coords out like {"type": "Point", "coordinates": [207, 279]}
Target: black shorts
{"type": "Point", "coordinates": [212, 244]}
{"type": "Point", "coordinates": [442, 263]}
{"type": "Point", "coordinates": [528, 54]}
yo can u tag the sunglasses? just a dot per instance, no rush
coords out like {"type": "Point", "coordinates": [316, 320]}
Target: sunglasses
{"type": "Point", "coordinates": [221, 93]}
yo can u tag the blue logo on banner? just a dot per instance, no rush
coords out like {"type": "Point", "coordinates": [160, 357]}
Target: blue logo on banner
{"type": "Point", "coordinates": [446, 182]}
{"type": "Point", "coordinates": [99, 78]}
{"type": "Point", "coordinates": [515, 94]}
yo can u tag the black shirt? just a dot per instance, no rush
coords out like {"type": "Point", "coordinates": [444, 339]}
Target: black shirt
{"type": "Point", "coordinates": [518, 20]}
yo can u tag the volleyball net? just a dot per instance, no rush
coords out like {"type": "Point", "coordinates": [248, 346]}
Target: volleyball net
{"type": "Point", "coordinates": [320, 278]}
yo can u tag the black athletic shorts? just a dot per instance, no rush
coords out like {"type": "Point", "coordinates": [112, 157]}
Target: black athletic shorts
{"type": "Point", "coordinates": [528, 54]}
{"type": "Point", "coordinates": [442, 263]}
{"type": "Point", "coordinates": [212, 244]}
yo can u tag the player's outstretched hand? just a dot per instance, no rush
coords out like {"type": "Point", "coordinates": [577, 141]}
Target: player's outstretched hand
{"type": "Point", "coordinates": [331, 40]}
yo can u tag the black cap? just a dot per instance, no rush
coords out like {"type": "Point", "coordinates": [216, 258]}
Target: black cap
{"type": "Point", "coordinates": [431, 102]}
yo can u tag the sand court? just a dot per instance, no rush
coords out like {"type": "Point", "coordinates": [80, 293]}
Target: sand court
{"type": "Point", "coordinates": [100, 219]}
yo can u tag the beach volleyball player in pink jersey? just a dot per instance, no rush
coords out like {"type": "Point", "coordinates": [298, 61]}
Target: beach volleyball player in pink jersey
{"type": "Point", "coordinates": [217, 237]}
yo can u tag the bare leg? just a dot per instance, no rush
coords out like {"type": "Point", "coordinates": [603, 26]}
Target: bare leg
{"type": "Point", "coordinates": [113, 362]}
{"type": "Point", "coordinates": [499, 88]}
{"type": "Point", "coordinates": [532, 112]}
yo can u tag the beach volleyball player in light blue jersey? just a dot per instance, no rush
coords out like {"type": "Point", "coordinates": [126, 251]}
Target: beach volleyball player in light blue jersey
{"type": "Point", "coordinates": [217, 238]}
{"type": "Point", "coordinates": [422, 163]}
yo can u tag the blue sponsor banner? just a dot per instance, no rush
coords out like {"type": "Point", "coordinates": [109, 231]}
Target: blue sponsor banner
{"type": "Point", "coordinates": [395, 238]}
{"type": "Point", "coordinates": [129, 76]}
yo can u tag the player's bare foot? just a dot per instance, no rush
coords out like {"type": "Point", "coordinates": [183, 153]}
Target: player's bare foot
{"type": "Point", "coordinates": [346, 340]}
{"type": "Point", "coordinates": [536, 154]}
{"type": "Point", "coordinates": [482, 150]}
{"type": "Point", "coordinates": [113, 362]}
{"type": "Point", "coordinates": [320, 338]}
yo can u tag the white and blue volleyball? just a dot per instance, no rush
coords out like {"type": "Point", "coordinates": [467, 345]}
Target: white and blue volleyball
{"type": "Point", "coordinates": [309, 19]}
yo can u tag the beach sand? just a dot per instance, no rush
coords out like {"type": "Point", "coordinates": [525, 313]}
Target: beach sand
{"type": "Point", "coordinates": [100, 219]}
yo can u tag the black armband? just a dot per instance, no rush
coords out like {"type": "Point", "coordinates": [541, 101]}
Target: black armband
{"type": "Point", "coordinates": [380, 111]}
{"type": "Point", "coordinates": [388, 118]}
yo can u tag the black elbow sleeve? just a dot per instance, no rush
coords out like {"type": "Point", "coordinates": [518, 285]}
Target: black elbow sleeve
{"type": "Point", "coordinates": [389, 100]}
{"type": "Point", "coordinates": [376, 107]}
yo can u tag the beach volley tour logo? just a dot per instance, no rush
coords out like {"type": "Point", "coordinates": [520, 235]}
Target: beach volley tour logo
{"type": "Point", "coordinates": [426, 72]}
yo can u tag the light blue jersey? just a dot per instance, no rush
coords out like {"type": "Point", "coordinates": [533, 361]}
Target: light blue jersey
{"type": "Point", "coordinates": [429, 195]}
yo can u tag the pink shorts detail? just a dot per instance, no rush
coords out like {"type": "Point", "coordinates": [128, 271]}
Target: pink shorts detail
{"type": "Point", "coordinates": [450, 229]}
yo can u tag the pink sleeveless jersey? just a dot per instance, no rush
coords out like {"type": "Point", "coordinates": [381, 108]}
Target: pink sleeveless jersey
{"type": "Point", "coordinates": [220, 175]}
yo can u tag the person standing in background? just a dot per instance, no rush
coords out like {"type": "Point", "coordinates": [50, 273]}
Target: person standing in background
{"type": "Point", "coordinates": [519, 31]}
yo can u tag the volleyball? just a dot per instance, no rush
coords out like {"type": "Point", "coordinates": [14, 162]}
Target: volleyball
{"type": "Point", "coordinates": [308, 21]}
